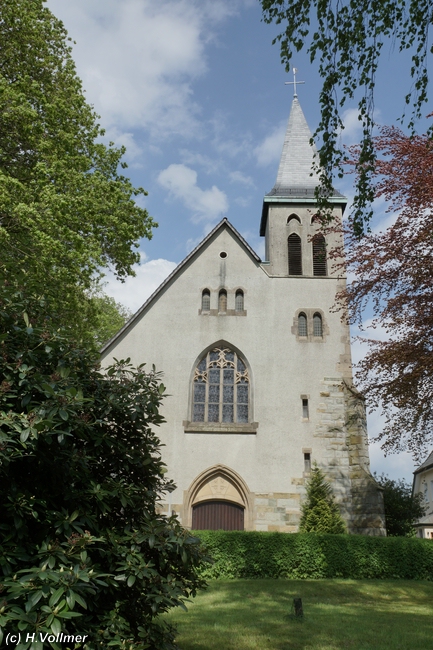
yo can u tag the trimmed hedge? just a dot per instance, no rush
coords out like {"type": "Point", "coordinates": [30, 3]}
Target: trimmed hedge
{"type": "Point", "coordinates": [241, 554]}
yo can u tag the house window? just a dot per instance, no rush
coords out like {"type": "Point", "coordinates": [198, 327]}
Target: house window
{"type": "Point", "coordinates": [205, 300]}
{"type": "Point", "coordinates": [221, 388]}
{"type": "Point", "coordinates": [239, 300]}
{"type": "Point", "coordinates": [305, 412]}
{"type": "Point", "coordinates": [319, 255]}
{"type": "Point", "coordinates": [317, 325]}
{"type": "Point", "coordinates": [222, 300]}
{"type": "Point", "coordinates": [302, 325]}
{"type": "Point", "coordinates": [295, 254]}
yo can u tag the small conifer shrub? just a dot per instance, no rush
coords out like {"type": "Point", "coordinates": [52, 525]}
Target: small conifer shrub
{"type": "Point", "coordinates": [320, 513]}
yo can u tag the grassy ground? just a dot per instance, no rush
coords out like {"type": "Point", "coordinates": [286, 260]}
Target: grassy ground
{"type": "Point", "coordinates": [338, 614]}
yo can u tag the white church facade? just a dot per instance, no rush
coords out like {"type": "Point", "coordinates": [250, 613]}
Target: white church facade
{"type": "Point", "coordinates": [257, 366]}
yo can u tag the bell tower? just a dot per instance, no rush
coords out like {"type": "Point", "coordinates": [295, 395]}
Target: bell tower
{"type": "Point", "coordinates": [288, 209]}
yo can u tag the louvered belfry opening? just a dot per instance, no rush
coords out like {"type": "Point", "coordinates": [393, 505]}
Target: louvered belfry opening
{"type": "Point", "coordinates": [295, 254]}
{"type": "Point", "coordinates": [217, 515]}
{"type": "Point", "coordinates": [319, 255]}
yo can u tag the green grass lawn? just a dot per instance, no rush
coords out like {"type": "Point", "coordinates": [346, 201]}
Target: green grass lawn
{"type": "Point", "coordinates": [353, 614]}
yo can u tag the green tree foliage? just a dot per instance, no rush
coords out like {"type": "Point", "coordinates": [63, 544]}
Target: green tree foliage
{"type": "Point", "coordinates": [110, 316]}
{"type": "Point", "coordinates": [320, 513]}
{"type": "Point", "coordinates": [402, 509]}
{"type": "Point", "coordinates": [348, 38]}
{"type": "Point", "coordinates": [83, 548]}
{"type": "Point", "coordinates": [66, 210]}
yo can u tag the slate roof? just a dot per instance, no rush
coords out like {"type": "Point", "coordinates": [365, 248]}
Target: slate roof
{"type": "Point", "coordinates": [223, 223]}
{"type": "Point", "coordinates": [426, 464]}
{"type": "Point", "coordinates": [296, 180]}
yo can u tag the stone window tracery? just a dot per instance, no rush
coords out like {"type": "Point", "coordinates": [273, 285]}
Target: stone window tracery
{"type": "Point", "coordinates": [221, 388]}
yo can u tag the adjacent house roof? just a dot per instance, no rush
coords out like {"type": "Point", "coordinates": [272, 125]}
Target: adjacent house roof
{"type": "Point", "coordinates": [426, 464]}
{"type": "Point", "coordinates": [297, 179]}
{"type": "Point", "coordinates": [224, 223]}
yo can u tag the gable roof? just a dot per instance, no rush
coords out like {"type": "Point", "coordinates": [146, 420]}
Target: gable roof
{"type": "Point", "coordinates": [426, 464]}
{"type": "Point", "coordinates": [224, 223]}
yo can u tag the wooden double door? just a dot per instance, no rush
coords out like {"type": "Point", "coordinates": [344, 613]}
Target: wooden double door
{"type": "Point", "coordinates": [217, 515]}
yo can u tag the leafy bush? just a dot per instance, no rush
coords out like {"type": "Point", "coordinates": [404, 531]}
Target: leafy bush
{"type": "Point", "coordinates": [320, 513]}
{"type": "Point", "coordinates": [83, 548]}
{"type": "Point", "coordinates": [402, 509]}
{"type": "Point", "coordinates": [244, 554]}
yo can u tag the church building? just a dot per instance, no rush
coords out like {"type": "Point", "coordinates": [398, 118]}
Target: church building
{"type": "Point", "coordinates": [257, 367]}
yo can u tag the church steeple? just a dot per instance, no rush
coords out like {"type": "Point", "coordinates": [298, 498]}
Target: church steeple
{"type": "Point", "coordinates": [296, 179]}
{"type": "Point", "coordinates": [295, 175]}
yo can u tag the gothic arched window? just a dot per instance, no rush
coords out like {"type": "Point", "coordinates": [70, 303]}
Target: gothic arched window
{"type": "Point", "coordinates": [317, 325]}
{"type": "Point", "coordinates": [239, 300]}
{"type": "Point", "coordinates": [293, 217]}
{"type": "Point", "coordinates": [222, 300]}
{"type": "Point", "coordinates": [205, 300]}
{"type": "Point", "coordinates": [221, 388]}
{"type": "Point", "coordinates": [319, 255]}
{"type": "Point", "coordinates": [295, 254]}
{"type": "Point", "coordinates": [302, 325]}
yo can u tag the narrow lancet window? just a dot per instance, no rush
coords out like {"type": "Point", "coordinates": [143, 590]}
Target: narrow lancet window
{"type": "Point", "coordinates": [319, 255]}
{"type": "Point", "coordinates": [239, 300]}
{"type": "Point", "coordinates": [222, 300]}
{"type": "Point", "coordinates": [317, 325]}
{"type": "Point", "coordinates": [205, 300]}
{"type": "Point", "coordinates": [295, 254]}
{"type": "Point", "coordinates": [302, 325]}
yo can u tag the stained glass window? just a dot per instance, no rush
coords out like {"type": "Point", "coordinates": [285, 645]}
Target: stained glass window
{"type": "Point", "coordinates": [317, 325]}
{"type": "Point", "coordinates": [205, 300]}
{"type": "Point", "coordinates": [222, 300]}
{"type": "Point", "coordinates": [239, 300]}
{"type": "Point", "coordinates": [302, 325]}
{"type": "Point", "coordinates": [221, 388]}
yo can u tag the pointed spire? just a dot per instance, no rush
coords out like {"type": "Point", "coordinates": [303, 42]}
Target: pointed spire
{"type": "Point", "coordinates": [296, 179]}
{"type": "Point", "coordinates": [295, 174]}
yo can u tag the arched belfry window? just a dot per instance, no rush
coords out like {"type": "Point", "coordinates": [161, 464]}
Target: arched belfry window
{"type": "Point", "coordinates": [317, 325]}
{"type": "Point", "coordinates": [302, 325]}
{"type": "Point", "coordinates": [205, 300]}
{"type": "Point", "coordinates": [293, 217]}
{"type": "Point", "coordinates": [239, 300]}
{"type": "Point", "coordinates": [319, 255]}
{"type": "Point", "coordinates": [295, 254]}
{"type": "Point", "coordinates": [221, 388]}
{"type": "Point", "coordinates": [222, 300]}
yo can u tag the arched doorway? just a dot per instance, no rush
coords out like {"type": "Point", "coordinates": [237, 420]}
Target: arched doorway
{"type": "Point", "coordinates": [217, 515]}
{"type": "Point", "coordinates": [218, 499]}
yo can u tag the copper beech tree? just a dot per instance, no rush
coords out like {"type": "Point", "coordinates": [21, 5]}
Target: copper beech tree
{"type": "Point", "coordinates": [392, 271]}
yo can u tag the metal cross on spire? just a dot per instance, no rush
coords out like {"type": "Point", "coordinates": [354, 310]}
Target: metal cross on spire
{"type": "Point", "coordinates": [294, 82]}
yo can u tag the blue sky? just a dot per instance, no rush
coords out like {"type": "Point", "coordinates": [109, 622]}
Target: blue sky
{"type": "Point", "coordinates": [195, 90]}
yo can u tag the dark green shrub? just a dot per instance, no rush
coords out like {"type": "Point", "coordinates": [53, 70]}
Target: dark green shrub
{"type": "Point", "coordinates": [82, 548]}
{"type": "Point", "coordinates": [320, 513]}
{"type": "Point", "coordinates": [402, 509]}
{"type": "Point", "coordinates": [309, 555]}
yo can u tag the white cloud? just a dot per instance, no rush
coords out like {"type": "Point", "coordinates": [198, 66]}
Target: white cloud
{"type": "Point", "coordinates": [181, 182]}
{"type": "Point", "coordinates": [138, 58]}
{"type": "Point", "coordinates": [269, 151]}
{"type": "Point", "coordinates": [239, 177]}
{"type": "Point", "coordinates": [136, 290]}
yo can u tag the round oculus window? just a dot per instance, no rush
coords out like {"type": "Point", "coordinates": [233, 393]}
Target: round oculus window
{"type": "Point", "coordinates": [223, 254]}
